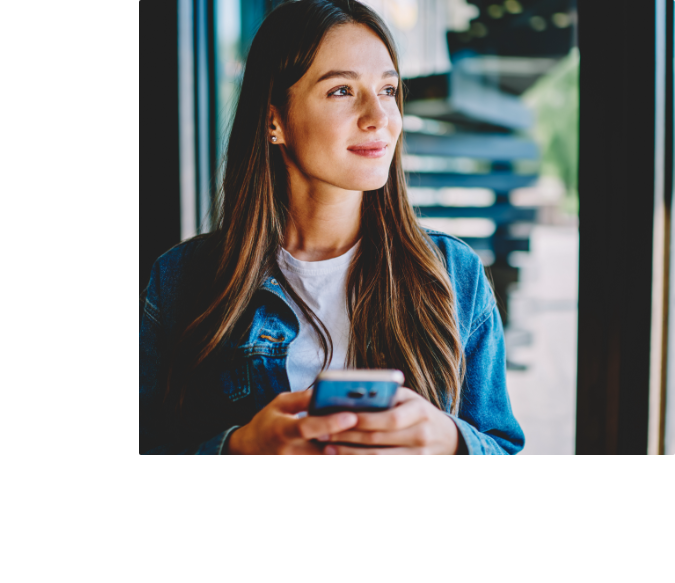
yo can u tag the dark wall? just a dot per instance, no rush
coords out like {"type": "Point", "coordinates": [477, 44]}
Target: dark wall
{"type": "Point", "coordinates": [159, 199]}
{"type": "Point", "coordinates": [616, 217]}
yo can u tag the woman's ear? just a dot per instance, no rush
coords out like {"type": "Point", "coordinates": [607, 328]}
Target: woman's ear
{"type": "Point", "coordinates": [275, 128]}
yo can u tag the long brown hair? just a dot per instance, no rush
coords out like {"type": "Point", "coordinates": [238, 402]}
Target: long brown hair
{"type": "Point", "coordinates": [399, 296]}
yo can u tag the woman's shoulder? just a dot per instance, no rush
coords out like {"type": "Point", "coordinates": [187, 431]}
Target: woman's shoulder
{"type": "Point", "coordinates": [186, 252]}
{"type": "Point", "coordinates": [177, 278]}
{"type": "Point", "coordinates": [184, 266]}
{"type": "Point", "coordinates": [454, 249]}
{"type": "Point", "coordinates": [472, 288]}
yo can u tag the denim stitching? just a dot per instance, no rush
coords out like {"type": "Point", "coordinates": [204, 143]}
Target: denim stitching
{"type": "Point", "coordinates": [151, 305]}
{"type": "Point", "coordinates": [150, 314]}
{"type": "Point", "coordinates": [262, 350]}
{"type": "Point", "coordinates": [239, 394]}
{"type": "Point", "coordinates": [242, 390]}
{"type": "Point", "coordinates": [482, 319]}
{"type": "Point", "coordinates": [269, 355]}
{"type": "Point", "coordinates": [247, 378]}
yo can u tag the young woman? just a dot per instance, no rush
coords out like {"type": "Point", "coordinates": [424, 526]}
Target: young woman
{"type": "Point", "coordinates": [319, 262]}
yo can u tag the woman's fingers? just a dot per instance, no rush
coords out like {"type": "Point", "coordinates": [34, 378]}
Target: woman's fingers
{"type": "Point", "coordinates": [407, 413]}
{"type": "Point", "coordinates": [414, 436]}
{"type": "Point", "coordinates": [346, 450]}
{"type": "Point", "coordinates": [315, 426]}
{"type": "Point", "coordinates": [294, 434]}
{"type": "Point", "coordinates": [293, 402]}
{"type": "Point", "coordinates": [404, 394]}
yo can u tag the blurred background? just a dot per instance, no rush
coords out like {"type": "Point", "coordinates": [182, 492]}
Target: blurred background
{"type": "Point", "coordinates": [491, 131]}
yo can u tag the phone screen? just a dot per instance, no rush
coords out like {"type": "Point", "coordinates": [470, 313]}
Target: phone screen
{"type": "Point", "coordinates": [331, 396]}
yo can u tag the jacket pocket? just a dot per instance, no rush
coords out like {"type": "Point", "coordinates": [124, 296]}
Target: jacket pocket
{"type": "Point", "coordinates": [236, 380]}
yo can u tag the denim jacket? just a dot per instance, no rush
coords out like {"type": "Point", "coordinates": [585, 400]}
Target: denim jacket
{"type": "Point", "coordinates": [244, 376]}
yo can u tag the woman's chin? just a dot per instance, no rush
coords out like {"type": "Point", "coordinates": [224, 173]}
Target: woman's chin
{"type": "Point", "coordinates": [366, 183]}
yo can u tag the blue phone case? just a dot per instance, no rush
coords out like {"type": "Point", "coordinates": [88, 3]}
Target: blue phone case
{"type": "Point", "coordinates": [331, 396]}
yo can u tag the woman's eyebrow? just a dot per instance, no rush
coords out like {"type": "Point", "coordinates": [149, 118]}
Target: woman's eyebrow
{"type": "Point", "coordinates": [352, 75]}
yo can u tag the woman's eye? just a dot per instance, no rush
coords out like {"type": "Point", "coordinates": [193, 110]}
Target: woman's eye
{"type": "Point", "coordinates": [340, 91]}
{"type": "Point", "coordinates": [345, 91]}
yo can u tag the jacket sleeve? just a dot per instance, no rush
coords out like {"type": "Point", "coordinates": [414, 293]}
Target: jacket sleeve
{"type": "Point", "coordinates": [485, 418]}
{"type": "Point", "coordinates": [155, 435]}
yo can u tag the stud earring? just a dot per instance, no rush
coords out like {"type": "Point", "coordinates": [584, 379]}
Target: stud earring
{"type": "Point", "coordinates": [274, 138]}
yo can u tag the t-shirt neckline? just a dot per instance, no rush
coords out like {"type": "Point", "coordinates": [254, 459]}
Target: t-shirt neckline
{"type": "Point", "coordinates": [290, 263]}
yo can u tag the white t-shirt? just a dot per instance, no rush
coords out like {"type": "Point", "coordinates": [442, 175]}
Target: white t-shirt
{"type": "Point", "coordinates": [323, 287]}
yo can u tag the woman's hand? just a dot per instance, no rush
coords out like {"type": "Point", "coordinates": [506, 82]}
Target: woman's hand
{"type": "Point", "coordinates": [276, 430]}
{"type": "Point", "coordinates": [412, 426]}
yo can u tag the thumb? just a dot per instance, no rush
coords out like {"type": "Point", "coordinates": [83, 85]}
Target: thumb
{"type": "Point", "coordinates": [294, 402]}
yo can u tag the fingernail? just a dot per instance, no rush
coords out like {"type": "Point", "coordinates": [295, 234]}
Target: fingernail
{"type": "Point", "coordinates": [330, 450]}
{"type": "Point", "coordinates": [323, 438]}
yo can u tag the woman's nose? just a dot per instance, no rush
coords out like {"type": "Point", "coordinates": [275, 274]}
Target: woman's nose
{"type": "Point", "coordinates": [373, 115]}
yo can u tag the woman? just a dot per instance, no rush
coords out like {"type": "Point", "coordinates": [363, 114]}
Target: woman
{"type": "Point", "coordinates": [318, 262]}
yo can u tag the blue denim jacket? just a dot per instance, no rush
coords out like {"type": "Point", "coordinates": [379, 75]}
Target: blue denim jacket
{"type": "Point", "coordinates": [245, 376]}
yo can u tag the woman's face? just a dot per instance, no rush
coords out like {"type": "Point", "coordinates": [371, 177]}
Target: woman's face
{"type": "Point", "coordinates": [343, 121]}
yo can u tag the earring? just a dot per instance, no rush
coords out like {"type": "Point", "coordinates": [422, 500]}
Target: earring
{"type": "Point", "coordinates": [274, 138]}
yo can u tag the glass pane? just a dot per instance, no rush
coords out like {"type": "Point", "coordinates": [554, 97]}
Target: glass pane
{"type": "Point", "coordinates": [492, 147]}
{"type": "Point", "coordinates": [229, 65]}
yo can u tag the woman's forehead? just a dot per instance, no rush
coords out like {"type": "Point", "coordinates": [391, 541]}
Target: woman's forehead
{"type": "Point", "coordinates": [351, 47]}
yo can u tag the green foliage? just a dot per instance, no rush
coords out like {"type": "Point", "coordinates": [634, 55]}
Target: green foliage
{"type": "Point", "coordinates": [555, 101]}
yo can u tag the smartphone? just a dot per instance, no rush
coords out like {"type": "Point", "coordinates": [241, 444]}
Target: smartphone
{"type": "Point", "coordinates": [354, 390]}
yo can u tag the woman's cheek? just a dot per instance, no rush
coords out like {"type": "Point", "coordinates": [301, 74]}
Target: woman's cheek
{"type": "Point", "coordinates": [320, 130]}
{"type": "Point", "coordinates": [395, 123]}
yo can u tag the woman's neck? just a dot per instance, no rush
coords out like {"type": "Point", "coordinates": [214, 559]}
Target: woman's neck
{"type": "Point", "coordinates": [323, 222]}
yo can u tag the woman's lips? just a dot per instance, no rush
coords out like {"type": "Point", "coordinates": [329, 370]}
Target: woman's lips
{"type": "Point", "coordinates": [369, 149]}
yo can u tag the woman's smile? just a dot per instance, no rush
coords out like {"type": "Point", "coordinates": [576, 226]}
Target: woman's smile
{"type": "Point", "coordinates": [369, 149]}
